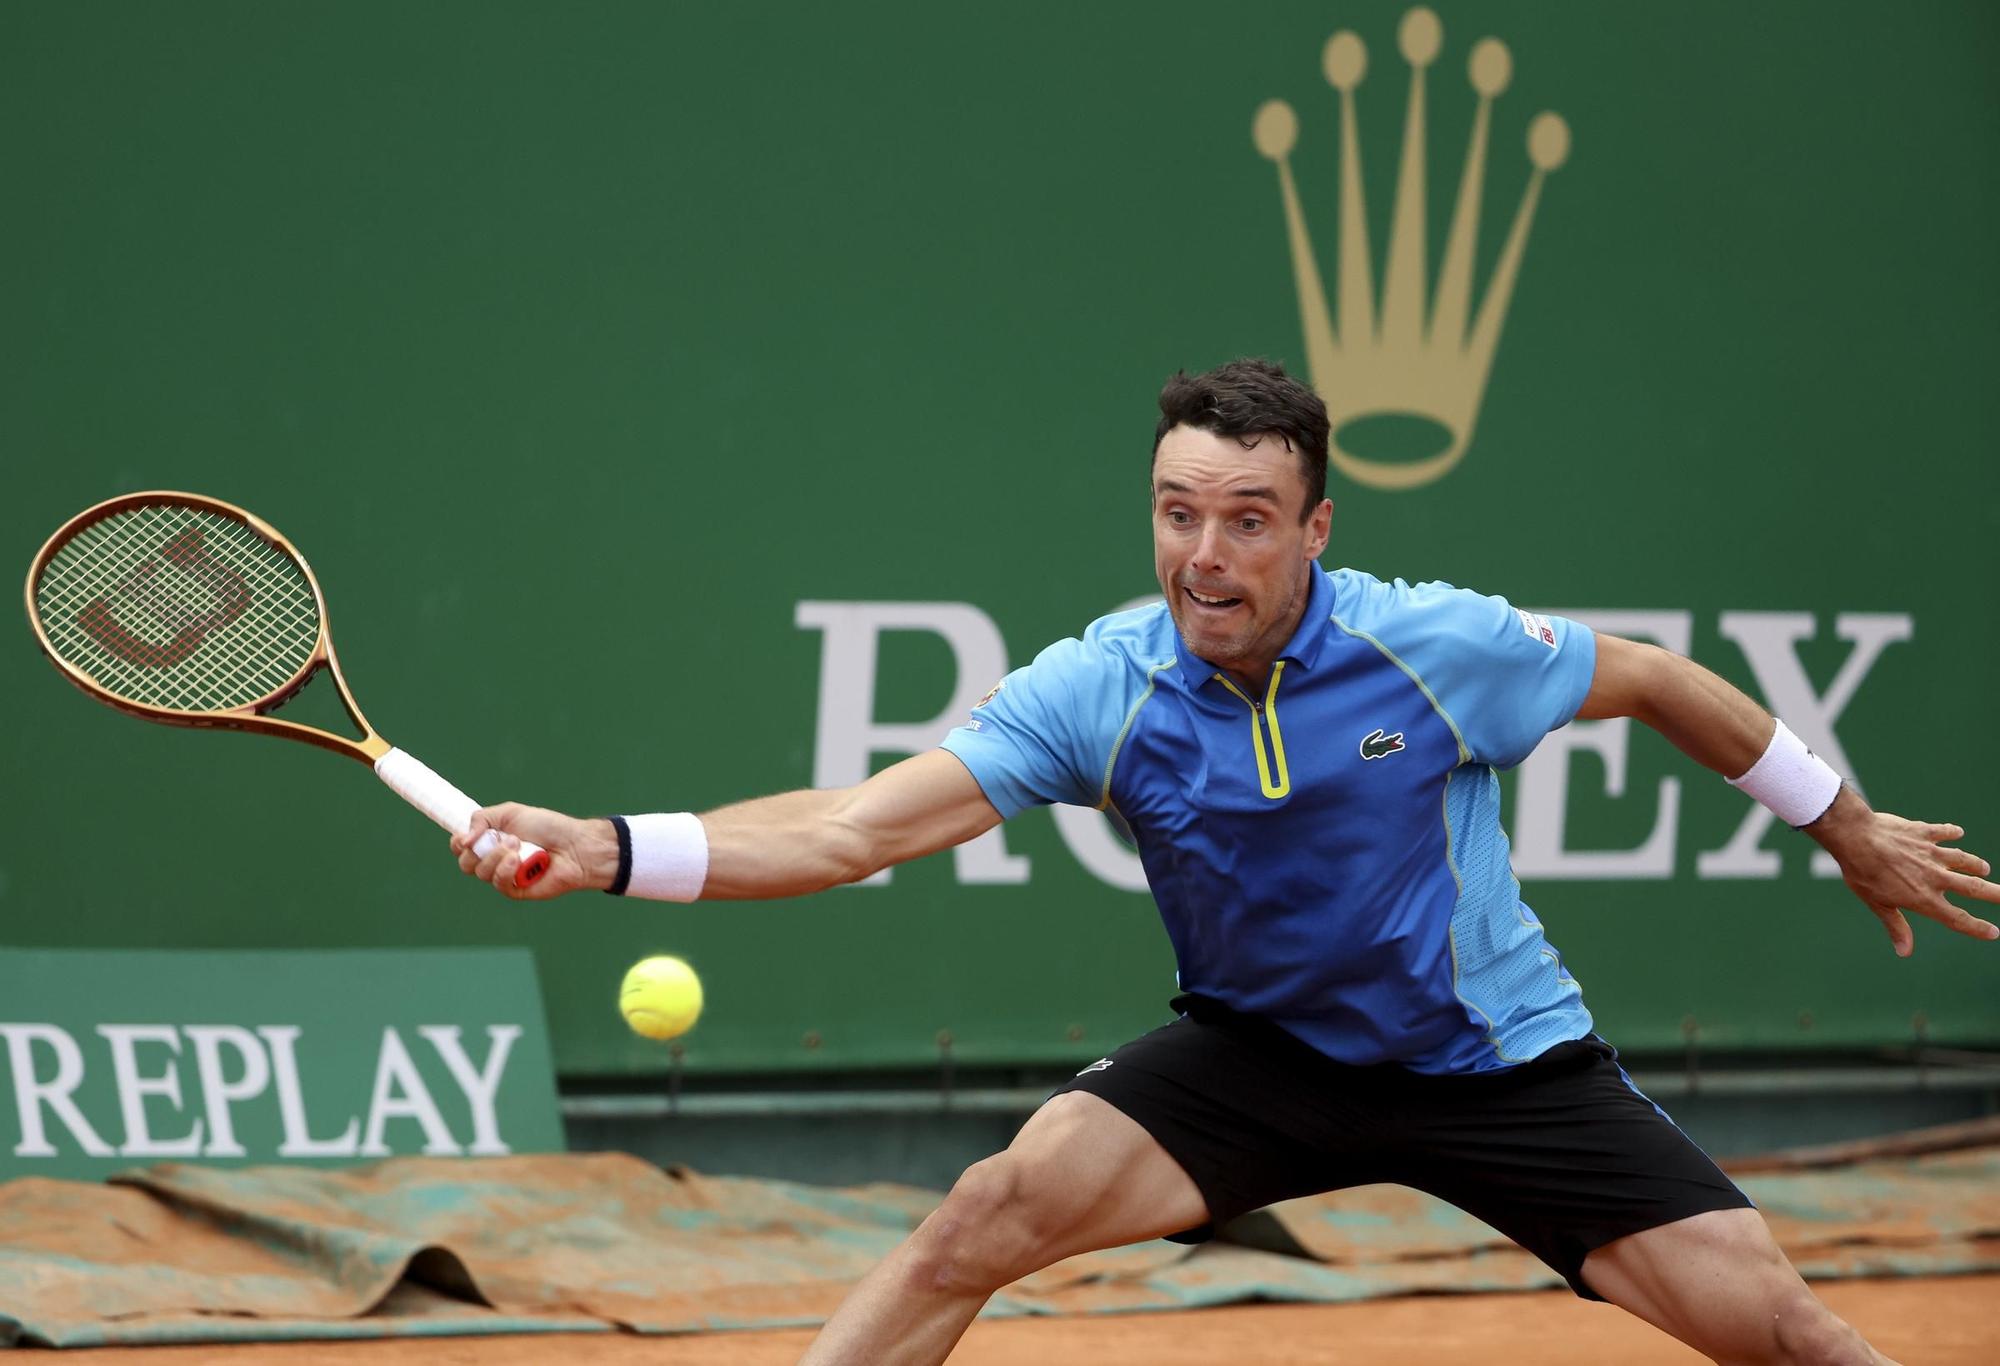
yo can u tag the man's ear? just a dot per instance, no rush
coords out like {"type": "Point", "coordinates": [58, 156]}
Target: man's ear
{"type": "Point", "coordinates": [1319, 528]}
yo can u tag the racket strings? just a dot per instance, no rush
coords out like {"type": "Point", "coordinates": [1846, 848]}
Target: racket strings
{"type": "Point", "coordinates": [174, 615]}
{"type": "Point", "coordinates": [176, 606]}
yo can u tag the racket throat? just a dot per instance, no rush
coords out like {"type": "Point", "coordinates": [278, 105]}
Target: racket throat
{"type": "Point", "coordinates": [320, 711]}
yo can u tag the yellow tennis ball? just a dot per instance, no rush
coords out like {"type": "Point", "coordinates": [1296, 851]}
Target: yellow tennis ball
{"type": "Point", "coordinates": [661, 997]}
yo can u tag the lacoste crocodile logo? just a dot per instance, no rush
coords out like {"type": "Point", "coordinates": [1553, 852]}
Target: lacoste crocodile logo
{"type": "Point", "coordinates": [1375, 744]}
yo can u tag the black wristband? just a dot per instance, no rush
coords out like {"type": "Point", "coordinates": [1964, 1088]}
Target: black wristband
{"type": "Point", "coordinates": [617, 887]}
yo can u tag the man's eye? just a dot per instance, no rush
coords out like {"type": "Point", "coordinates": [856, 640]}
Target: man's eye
{"type": "Point", "coordinates": [1179, 518]}
{"type": "Point", "coordinates": [1252, 524]}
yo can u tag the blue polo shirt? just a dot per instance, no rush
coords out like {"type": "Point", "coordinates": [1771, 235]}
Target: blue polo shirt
{"type": "Point", "coordinates": [1327, 854]}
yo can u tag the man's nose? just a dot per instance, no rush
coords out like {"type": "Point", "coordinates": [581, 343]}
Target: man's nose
{"type": "Point", "coordinates": [1208, 549]}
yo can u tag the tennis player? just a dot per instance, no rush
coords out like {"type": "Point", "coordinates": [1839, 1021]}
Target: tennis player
{"type": "Point", "coordinates": [1307, 762]}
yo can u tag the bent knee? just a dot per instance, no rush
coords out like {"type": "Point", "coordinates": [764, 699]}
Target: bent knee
{"type": "Point", "coordinates": [1806, 1333]}
{"type": "Point", "coordinates": [993, 1228]}
{"type": "Point", "coordinates": [1802, 1330]}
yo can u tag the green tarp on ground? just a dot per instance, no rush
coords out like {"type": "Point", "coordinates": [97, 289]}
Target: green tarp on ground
{"type": "Point", "coordinates": [415, 1246]}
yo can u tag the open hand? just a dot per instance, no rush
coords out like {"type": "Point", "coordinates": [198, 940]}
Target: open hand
{"type": "Point", "coordinates": [1896, 865]}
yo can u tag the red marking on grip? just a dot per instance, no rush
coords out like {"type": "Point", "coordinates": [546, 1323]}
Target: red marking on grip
{"type": "Point", "coordinates": [187, 553]}
{"type": "Point", "coordinates": [531, 869]}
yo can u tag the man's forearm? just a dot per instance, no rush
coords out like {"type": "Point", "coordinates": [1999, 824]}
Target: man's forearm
{"type": "Point", "coordinates": [1711, 721]}
{"type": "Point", "coordinates": [786, 845]}
{"type": "Point", "coordinates": [796, 842]}
{"type": "Point", "coordinates": [1707, 718]}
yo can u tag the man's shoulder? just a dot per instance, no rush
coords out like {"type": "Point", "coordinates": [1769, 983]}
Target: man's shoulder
{"type": "Point", "coordinates": [1365, 603]}
{"type": "Point", "coordinates": [1084, 687]}
{"type": "Point", "coordinates": [1138, 637]}
{"type": "Point", "coordinates": [1115, 655]}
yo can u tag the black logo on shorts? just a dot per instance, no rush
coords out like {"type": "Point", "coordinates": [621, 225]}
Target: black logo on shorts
{"type": "Point", "coordinates": [1375, 744]}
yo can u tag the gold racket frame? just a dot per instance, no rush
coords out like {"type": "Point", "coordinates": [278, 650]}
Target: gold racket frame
{"type": "Point", "coordinates": [251, 715]}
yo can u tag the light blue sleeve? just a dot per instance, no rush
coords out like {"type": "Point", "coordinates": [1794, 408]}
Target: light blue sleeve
{"type": "Point", "coordinates": [1041, 735]}
{"type": "Point", "coordinates": [1504, 675]}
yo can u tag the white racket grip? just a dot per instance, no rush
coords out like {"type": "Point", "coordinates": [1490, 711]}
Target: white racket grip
{"type": "Point", "coordinates": [418, 784]}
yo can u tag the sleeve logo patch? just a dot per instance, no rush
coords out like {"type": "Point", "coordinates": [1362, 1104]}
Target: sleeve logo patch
{"type": "Point", "coordinates": [991, 693]}
{"type": "Point", "coordinates": [1538, 627]}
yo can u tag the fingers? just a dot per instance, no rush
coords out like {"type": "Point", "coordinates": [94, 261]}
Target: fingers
{"type": "Point", "coordinates": [1977, 888]}
{"type": "Point", "coordinates": [499, 864]}
{"type": "Point", "coordinates": [495, 818]}
{"type": "Point", "coordinates": [488, 818]}
{"type": "Point", "coordinates": [504, 870]}
{"type": "Point", "coordinates": [1911, 868]}
{"type": "Point", "coordinates": [1963, 861]}
{"type": "Point", "coordinates": [1957, 918]}
{"type": "Point", "coordinates": [1898, 928]}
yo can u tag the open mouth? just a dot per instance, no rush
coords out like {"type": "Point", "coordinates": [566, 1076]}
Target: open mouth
{"type": "Point", "coordinates": [1208, 602]}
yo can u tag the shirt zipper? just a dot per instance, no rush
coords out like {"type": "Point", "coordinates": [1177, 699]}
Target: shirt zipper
{"type": "Point", "coordinates": [1260, 712]}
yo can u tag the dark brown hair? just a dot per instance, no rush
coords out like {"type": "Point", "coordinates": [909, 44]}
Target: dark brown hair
{"type": "Point", "coordinates": [1251, 397]}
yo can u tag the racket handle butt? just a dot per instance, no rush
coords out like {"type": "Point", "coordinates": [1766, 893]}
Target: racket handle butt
{"type": "Point", "coordinates": [534, 858]}
{"type": "Point", "coordinates": [534, 862]}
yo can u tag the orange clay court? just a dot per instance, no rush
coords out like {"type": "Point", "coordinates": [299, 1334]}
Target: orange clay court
{"type": "Point", "coordinates": [1939, 1321]}
{"type": "Point", "coordinates": [607, 1259]}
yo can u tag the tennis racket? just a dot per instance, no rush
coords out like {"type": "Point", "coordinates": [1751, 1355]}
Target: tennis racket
{"type": "Point", "coordinates": [185, 610]}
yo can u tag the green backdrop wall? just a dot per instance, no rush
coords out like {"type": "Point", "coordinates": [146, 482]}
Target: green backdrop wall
{"type": "Point", "coordinates": [579, 347]}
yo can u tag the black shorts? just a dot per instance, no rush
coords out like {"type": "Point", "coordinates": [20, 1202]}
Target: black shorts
{"type": "Point", "coordinates": [1562, 1154]}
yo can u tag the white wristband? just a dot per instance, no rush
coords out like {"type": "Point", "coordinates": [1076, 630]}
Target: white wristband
{"type": "Point", "coordinates": [667, 853]}
{"type": "Point", "coordinates": [1795, 783]}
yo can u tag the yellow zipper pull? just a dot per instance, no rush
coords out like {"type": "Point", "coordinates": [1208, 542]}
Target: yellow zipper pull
{"type": "Point", "coordinates": [1274, 785]}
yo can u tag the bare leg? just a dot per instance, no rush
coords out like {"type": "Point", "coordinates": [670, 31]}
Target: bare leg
{"type": "Point", "coordinates": [1720, 1283]}
{"type": "Point", "coordinates": [1079, 1176]}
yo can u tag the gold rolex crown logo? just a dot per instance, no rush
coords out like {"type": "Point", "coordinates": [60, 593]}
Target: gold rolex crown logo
{"type": "Point", "coordinates": [1409, 356]}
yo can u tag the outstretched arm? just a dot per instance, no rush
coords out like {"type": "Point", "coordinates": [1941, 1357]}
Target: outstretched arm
{"type": "Point", "coordinates": [787, 845]}
{"type": "Point", "coordinates": [1893, 865]}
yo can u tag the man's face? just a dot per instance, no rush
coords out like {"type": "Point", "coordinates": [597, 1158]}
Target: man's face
{"type": "Point", "coordinates": [1228, 545]}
